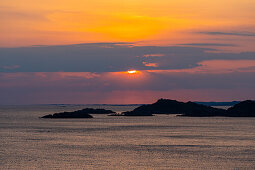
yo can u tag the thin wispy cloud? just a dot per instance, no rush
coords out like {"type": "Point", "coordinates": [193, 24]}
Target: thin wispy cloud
{"type": "Point", "coordinates": [209, 44]}
{"type": "Point", "coordinates": [238, 33]}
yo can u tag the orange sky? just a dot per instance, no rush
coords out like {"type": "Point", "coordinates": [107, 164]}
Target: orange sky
{"type": "Point", "coordinates": [181, 49]}
{"type": "Point", "coordinates": [44, 22]}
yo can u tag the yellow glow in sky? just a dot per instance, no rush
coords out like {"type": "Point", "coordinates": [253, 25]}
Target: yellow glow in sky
{"type": "Point", "coordinates": [46, 22]}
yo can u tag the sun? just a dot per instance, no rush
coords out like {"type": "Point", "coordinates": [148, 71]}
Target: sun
{"type": "Point", "coordinates": [132, 71]}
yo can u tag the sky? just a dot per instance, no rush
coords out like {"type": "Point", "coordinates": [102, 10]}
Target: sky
{"type": "Point", "coordinates": [83, 51]}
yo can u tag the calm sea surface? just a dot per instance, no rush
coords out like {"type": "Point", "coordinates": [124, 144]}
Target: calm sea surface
{"type": "Point", "coordinates": [105, 142]}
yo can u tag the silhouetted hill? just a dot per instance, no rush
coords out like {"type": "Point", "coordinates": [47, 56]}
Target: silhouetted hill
{"type": "Point", "coordinates": [242, 109]}
{"type": "Point", "coordinates": [192, 109]}
{"type": "Point", "coordinates": [84, 113]}
{"type": "Point", "coordinates": [198, 110]}
{"type": "Point", "coordinates": [166, 106]}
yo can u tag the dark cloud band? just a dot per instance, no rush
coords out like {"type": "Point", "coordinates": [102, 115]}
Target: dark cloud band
{"type": "Point", "coordinates": [108, 57]}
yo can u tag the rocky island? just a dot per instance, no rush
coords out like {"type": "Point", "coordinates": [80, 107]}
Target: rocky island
{"type": "Point", "coordinates": [192, 109]}
{"type": "Point", "coordinates": [242, 109]}
{"type": "Point", "coordinates": [84, 113]}
{"type": "Point", "coordinates": [167, 106]}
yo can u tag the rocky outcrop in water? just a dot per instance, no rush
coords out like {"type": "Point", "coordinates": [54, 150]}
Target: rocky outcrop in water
{"type": "Point", "coordinates": [192, 109]}
{"type": "Point", "coordinates": [166, 106]}
{"type": "Point", "coordinates": [84, 113]}
{"type": "Point", "coordinates": [242, 109]}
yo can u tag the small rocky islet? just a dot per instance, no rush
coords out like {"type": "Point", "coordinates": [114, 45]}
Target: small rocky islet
{"type": "Point", "coordinates": [84, 113]}
{"type": "Point", "coordinates": [167, 106]}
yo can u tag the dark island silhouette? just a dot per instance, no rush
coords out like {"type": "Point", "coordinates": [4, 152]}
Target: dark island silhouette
{"type": "Point", "coordinates": [192, 109]}
{"type": "Point", "coordinates": [84, 113]}
{"type": "Point", "coordinates": [167, 106]}
{"type": "Point", "coordinates": [242, 109]}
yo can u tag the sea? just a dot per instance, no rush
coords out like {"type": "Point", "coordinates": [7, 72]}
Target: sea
{"type": "Point", "coordinates": [115, 142]}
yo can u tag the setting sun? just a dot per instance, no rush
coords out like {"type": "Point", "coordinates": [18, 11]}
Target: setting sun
{"type": "Point", "coordinates": [132, 71]}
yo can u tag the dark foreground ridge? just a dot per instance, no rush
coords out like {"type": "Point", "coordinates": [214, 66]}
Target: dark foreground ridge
{"type": "Point", "coordinates": [166, 106]}
{"type": "Point", "coordinates": [84, 113]}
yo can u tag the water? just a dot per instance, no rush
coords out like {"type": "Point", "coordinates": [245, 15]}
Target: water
{"type": "Point", "coordinates": [110, 142]}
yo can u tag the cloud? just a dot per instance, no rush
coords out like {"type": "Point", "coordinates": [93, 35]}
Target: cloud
{"type": "Point", "coordinates": [109, 57]}
{"type": "Point", "coordinates": [245, 34]}
{"type": "Point", "coordinates": [210, 80]}
{"type": "Point", "coordinates": [66, 75]}
{"type": "Point", "coordinates": [150, 64]}
{"type": "Point", "coordinates": [10, 67]}
{"type": "Point", "coordinates": [153, 55]}
{"type": "Point", "coordinates": [27, 88]}
{"type": "Point", "coordinates": [209, 44]}
{"type": "Point", "coordinates": [216, 67]}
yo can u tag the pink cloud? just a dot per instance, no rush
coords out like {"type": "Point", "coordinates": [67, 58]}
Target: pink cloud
{"type": "Point", "coordinates": [153, 55]}
{"type": "Point", "coordinates": [219, 66]}
{"type": "Point", "coordinates": [64, 75]}
{"type": "Point", "coordinates": [85, 75]}
{"type": "Point", "coordinates": [147, 64]}
{"type": "Point", "coordinates": [216, 67]}
{"type": "Point", "coordinates": [11, 67]}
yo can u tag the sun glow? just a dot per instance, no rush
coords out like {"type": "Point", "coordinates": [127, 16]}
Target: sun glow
{"type": "Point", "coordinates": [131, 71]}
